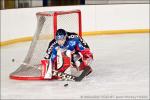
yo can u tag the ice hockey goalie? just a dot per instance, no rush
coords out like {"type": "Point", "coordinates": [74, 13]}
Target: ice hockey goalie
{"type": "Point", "coordinates": [67, 56]}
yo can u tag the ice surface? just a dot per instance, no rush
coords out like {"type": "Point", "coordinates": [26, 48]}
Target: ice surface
{"type": "Point", "coordinates": [120, 70]}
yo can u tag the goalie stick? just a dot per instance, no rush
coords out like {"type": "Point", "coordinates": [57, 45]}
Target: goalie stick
{"type": "Point", "coordinates": [85, 72]}
{"type": "Point", "coordinates": [64, 76]}
{"type": "Point", "coordinates": [68, 77]}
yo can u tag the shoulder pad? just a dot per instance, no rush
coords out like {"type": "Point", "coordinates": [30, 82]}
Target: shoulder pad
{"type": "Point", "coordinates": [73, 35]}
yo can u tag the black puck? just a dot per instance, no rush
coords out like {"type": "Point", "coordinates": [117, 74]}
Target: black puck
{"type": "Point", "coordinates": [65, 85]}
{"type": "Point", "coordinates": [13, 60]}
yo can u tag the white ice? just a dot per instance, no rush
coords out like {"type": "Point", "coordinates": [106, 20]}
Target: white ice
{"type": "Point", "coordinates": [120, 70]}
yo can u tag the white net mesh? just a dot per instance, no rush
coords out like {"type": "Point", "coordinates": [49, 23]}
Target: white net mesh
{"type": "Point", "coordinates": [42, 42]}
{"type": "Point", "coordinates": [31, 67]}
{"type": "Point", "coordinates": [68, 22]}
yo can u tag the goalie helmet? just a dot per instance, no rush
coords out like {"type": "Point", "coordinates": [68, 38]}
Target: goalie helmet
{"type": "Point", "coordinates": [60, 34]}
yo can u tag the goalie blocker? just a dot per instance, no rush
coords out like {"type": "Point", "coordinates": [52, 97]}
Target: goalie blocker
{"type": "Point", "coordinates": [61, 68]}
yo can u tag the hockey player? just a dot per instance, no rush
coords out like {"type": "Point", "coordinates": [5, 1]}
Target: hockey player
{"type": "Point", "coordinates": [75, 50]}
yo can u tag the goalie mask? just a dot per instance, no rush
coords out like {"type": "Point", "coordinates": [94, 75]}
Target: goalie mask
{"type": "Point", "coordinates": [61, 36]}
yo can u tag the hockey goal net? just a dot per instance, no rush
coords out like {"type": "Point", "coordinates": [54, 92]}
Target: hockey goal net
{"type": "Point", "coordinates": [47, 24]}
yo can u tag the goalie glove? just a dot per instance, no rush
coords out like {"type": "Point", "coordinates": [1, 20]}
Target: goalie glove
{"type": "Point", "coordinates": [87, 54]}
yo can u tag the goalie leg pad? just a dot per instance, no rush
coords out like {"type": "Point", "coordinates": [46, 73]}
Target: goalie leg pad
{"type": "Point", "coordinates": [46, 69]}
{"type": "Point", "coordinates": [66, 64]}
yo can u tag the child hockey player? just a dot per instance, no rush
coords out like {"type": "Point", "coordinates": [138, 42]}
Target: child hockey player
{"type": "Point", "coordinates": [68, 50]}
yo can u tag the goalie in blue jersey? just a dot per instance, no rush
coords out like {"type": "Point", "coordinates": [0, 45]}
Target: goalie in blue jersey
{"type": "Point", "coordinates": [69, 51]}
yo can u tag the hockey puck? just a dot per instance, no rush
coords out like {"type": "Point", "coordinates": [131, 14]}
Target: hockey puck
{"type": "Point", "coordinates": [13, 60]}
{"type": "Point", "coordinates": [65, 85]}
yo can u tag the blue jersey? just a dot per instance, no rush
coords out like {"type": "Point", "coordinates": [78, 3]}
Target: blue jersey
{"type": "Point", "coordinates": [73, 42]}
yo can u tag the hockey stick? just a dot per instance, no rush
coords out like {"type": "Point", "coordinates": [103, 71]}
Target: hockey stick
{"type": "Point", "coordinates": [64, 76]}
{"type": "Point", "coordinates": [68, 77]}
